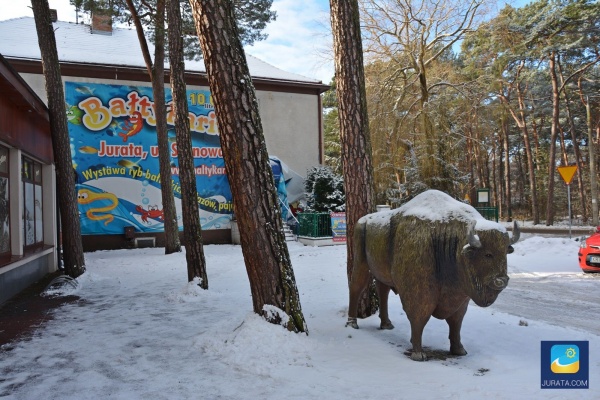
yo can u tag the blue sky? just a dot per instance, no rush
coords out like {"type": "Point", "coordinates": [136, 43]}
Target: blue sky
{"type": "Point", "coordinates": [299, 40]}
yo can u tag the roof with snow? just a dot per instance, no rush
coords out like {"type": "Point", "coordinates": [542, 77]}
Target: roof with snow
{"type": "Point", "coordinates": [76, 44]}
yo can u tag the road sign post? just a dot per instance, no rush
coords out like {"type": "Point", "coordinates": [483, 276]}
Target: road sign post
{"type": "Point", "coordinates": [567, 174]}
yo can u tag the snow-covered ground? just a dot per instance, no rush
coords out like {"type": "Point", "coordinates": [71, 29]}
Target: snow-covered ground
{"type": "Point", "coordinates": [140, 331]}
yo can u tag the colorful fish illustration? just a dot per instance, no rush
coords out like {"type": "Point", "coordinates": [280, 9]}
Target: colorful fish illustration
{"type": "Point", "coordinates": [114, 126]}
{"type": "Point", "coordinates": [88, 149]}
{"type": "Point", "coordinates": [132, 126]}
{"type": "Point", "coordinates": [129, 164]}
{"type": "Point", "coordinates": [84, 90]}
{"type": "Point", "coordinates": [74, 115]}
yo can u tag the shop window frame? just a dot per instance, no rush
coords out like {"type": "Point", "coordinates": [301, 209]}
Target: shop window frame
{"type": "Point", "coordinates": [5, 226]}
{"type": "Point", "coordinates": [32, 182]}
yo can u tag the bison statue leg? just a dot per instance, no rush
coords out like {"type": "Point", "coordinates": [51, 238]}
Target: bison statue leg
{"type": "Point", "coordinates": [454, 324]}
{"type": "Point", "coordinates": [417, 325]}
{"type": "Point", "coordinates": [359, 282]}
{"type": "Point", "coordinates": [383, 291]}
{"type": "Point", "coordinates": [418, 313]}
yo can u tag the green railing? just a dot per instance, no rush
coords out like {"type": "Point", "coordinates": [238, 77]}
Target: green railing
{"type": "Point", "coordinates": [490, 213]}
{"type": "Point", "coordinates": [314, 225]}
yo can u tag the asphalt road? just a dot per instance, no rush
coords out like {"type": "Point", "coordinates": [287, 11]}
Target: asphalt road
{"type": "Point", "coordinates": [567, 300]}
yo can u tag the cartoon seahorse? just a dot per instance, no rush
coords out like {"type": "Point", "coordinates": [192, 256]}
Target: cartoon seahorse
{"type": "Point", "coordinates": [85, 196]}
{"type": "Point", "coordinates": [133, 125]}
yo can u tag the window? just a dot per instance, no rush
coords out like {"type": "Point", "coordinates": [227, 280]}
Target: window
{"type": "Point", "coordinates": [32, 200]}
{"type": "Point", "coordinates": [4, 205]}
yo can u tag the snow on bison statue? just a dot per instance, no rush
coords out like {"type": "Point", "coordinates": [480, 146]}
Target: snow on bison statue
{"type": "Point", "coordinates": [436, 253]}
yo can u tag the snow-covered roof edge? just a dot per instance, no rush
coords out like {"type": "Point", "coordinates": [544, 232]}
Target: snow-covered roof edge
{"type": "Point", "coordinates": [76, 44]}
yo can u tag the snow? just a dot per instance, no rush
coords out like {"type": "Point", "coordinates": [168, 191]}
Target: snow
{"type": "Point", "coordinates": [140, 331]}
{"type": "Point", "coordinates": [76, 44]}
{"type": "Point", "coordinates": [434, 205]}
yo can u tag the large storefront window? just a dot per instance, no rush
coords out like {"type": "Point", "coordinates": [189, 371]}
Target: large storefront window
{"type": "Point", "coordinates": [4, 205]}
{"type": "Point", "coordinates": [32, 200]}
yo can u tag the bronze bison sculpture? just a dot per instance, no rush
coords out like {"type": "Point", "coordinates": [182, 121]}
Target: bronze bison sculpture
{"type": "Point", "coordinates": [435, 252]}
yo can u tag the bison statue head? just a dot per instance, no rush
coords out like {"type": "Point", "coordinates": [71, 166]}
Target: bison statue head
{"type": "Point", "coordinates": [483, 271]}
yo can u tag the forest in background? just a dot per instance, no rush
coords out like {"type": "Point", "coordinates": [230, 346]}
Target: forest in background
{"type": "Point", "coordinates": [459, 101]}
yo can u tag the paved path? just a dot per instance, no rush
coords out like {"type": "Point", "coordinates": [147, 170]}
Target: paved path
{"type": "Point", "coordinates": [24, 313]}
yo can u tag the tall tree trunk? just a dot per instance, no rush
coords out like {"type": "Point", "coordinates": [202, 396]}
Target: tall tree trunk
{"type": "Point", "coordinates": [530, 157]}
{"type": "Point", "coordinates": [580, 183]}
{"type": "Point", "coordinates": [496, 154]}
{"type": "Point", "coordinates": [553, 136]}
{"type": "Point", "coordinates": [156, 70]}
{"type": "Point", "coordinates": [470, 158]}
{"type": "Point", "coordinates": [192, 230]}
{"type": "Point", "coordinates": [480, 161]}
{"type": "Point", "coordinates": [593, 173]}
{"type": "Point", "coordinates": [536, 137]}
{"type": "Point", "coordinates": [73, 258]}
{"type": "Point", "coordinates": [354, 128]}
{"type": "Point", "coordinates": [265, 251]}
{"type": "Point", "coordinates": [507, 180]}
{"type": "Point", "coordinates": [563, 147]}
{"type": "Point", "coordinates": [591, 153]}
{"type": "Point", "coordinates": [521, 122]}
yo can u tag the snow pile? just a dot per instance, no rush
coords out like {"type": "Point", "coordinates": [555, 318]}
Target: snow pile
{"type": "Point", "coordinates": [434, 205]}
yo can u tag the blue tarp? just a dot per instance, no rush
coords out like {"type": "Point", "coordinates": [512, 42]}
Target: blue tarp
{"type": "Point", "coordinates": [290, 185]}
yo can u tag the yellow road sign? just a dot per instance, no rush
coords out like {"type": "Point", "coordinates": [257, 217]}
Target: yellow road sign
{"type": "Point", "coordinates": [567, 173]}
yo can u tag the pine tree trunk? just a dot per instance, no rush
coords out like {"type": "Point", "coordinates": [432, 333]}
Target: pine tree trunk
{"type": "Point", "coordinates": [507, 185]}
{"type": "Point", "coordinates": [192, 230]}
{"type": "Point", "coordinates": [73, 258]}
{"type": "Point", "coordinates": [576, 150]}
{"type": "Point", "coordinates": [591, 155]}
{"type": "Point", "coordinates": [470, 159]}
{"type": "Point", "coordinates": [354, 128]}
{"type": "Point", "coordinates": [255, 200]}
{"type": "Point", "coordinates": [553, 135]}
{"type": "Point", "coordinates": [172, 244]}
{"type": "Point", "coordinates": [156, 71]}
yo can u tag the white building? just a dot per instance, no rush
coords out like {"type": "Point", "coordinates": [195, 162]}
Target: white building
{"type": "Point", "coordinates": [106, 82]}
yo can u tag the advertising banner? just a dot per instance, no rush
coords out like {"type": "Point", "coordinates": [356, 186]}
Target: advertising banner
{"type": "Point", "coordinates": [115, 157]}
{"type": "Point", "coordinates": [338, 226]}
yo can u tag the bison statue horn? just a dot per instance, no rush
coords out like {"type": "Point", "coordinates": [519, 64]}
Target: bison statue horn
{"type": "Point", "coordinates": [516, 233]}
{"type": "Point", "coordinates": [471, 236]}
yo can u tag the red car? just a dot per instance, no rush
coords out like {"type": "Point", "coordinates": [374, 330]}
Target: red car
{"type": "Point", "coordinates": [589, 253]}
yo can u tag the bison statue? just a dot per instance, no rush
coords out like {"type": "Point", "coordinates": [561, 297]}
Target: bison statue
{"type": "Point", "coordinates": [437, 253]}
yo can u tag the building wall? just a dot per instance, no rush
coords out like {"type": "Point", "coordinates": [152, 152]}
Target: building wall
{"type": "Point", "coordinates": [27, 267]}
{"type": "Point", "coordinates": [291, 121]}
{"type": "Point", "coordinates": [19, 275]}
{"type": "Point", "coordinates": [292, 124]}
{"type": "Point", "coordinates": [25, 132]}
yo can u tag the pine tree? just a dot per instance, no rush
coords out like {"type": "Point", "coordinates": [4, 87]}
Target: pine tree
{"type": "Point", "coordinates": [354, 127]}
{"type": "Point", "coordinates": [272, 282]}
{"type": "Point", "coordinates": [192, 229]}
{"type": "Point", "coordinates": [324, 190]}
{"type": "Point", "coordinates": [73, 258]}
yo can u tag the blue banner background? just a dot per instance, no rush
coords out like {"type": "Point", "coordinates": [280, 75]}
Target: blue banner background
{"type": "Point", "coordinates": [115, 157]}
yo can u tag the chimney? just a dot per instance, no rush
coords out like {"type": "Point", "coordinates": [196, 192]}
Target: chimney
{"type": "Point", "coordinates": [102, 23]}
{"type": "Point", "coordinates": [53, 15]}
